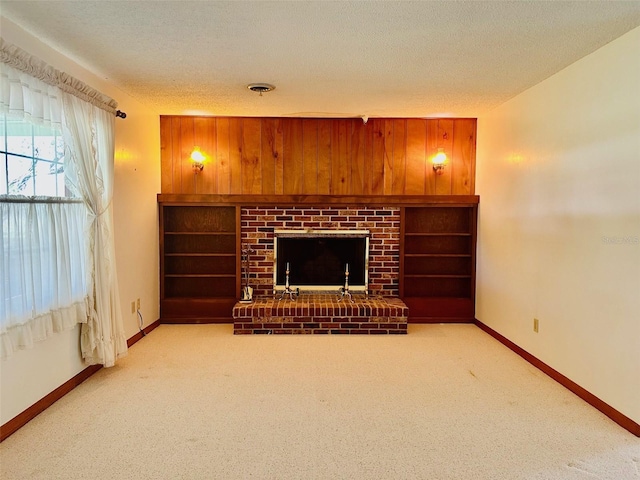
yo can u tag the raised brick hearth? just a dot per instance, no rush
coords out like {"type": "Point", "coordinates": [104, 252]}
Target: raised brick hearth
{"type": "Point", "coordinates": [321, 314]}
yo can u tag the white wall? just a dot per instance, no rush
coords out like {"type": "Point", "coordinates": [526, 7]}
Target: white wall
{"type": "Point", "coordinates": [558, 174]}
{"type": "Point", "coordinates": [29, 375]}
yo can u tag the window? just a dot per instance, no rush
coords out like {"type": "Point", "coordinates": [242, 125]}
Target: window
{"type": "Point", "coordinates": [52, 242]}
{"type": "Point", "coordinates": [43, 285]}
{"type": "Point", "coordinates": [32, 159]}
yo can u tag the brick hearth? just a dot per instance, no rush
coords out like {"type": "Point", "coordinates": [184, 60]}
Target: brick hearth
{"type": "Point", "coordinates": [321, 314]}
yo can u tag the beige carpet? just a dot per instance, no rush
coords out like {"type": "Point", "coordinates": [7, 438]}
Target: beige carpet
{"type": "Point", "coordinates": [444, 402]}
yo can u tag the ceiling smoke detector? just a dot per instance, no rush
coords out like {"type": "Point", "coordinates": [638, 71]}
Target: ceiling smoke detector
{"type": "Point", "coordinates": [260, 87]}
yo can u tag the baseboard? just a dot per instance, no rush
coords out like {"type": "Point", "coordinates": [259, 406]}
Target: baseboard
{"type": "Point", "coordinates": [195, 320]}
{"type": "Point", "coordinates": [41, 405]}
{"type": "Point", "coordinates": [618, 417]}
{"type": "Point", "coordinates": [138, 336]}
{"type": "Point", "coordinates": [432, 320]}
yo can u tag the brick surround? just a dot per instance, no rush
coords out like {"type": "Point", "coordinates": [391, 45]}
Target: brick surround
{"type": "Point", "coordinates": [321, 314]}
{"type": "Point", "coordinates": [258, 224]}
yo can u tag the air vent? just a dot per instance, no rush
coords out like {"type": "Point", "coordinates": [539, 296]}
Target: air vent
{"type": "Point", "coordinates": [260, 87]}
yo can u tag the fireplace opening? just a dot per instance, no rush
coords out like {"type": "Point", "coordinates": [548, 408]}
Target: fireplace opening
{"type": "Point", "coordinates": [318, 259]}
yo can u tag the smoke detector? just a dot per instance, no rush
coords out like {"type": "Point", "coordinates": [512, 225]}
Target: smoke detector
{"type": "Point", "coordinates": [260, 87]}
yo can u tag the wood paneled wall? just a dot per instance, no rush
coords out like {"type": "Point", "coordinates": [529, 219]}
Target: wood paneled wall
{"type": "Point", "coordinates": [288, 156]}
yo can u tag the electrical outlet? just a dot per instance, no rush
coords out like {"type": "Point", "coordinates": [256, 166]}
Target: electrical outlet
{"type": "Point", "coordinates": [133, 307]}
{"type": "Point", "coordinates": [138, 304]}
{"type": "Point", "coordinates": [536, 325]}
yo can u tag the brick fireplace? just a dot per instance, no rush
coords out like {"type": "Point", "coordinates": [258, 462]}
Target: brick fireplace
{"type": "Point", "coordinates": [257, 232]}
{"type": "Point", "coordinates": [380, 312]}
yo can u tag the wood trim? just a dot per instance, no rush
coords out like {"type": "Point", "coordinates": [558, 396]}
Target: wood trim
{"type": "Point", "coordinates": [138, 336]}
{"type": "Point", "coordinates": [161, 247]}
{"type": "Point", "coordinates": [238, 251]}
{"type": "Point", "coordinates": [401, 253]}
{"type": "Point", "coordinates": [474, 248]}
{"type": "Point", "coordinates": [618, 417]}
{"type": "Point", "coordinates": [434, 320]}
{"type": "Point", "coordinates": [41, 405]}
{"type": "Point", "coordinates": [394, 200]}
{"type": "Point", "coordinates": [196, 320]}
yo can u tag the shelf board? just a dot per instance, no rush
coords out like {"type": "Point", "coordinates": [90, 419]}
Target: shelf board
{"type": "Point", "coordinates": [435, 276]}
{"type": "Point", "coordinates": [438, 255]}
{"type": "Point", "coordinates": [200, 275]}
{"type": "Point", "coordinates": [438, 234]}
{"type": "Point", "coordinates": [199, 233]}
{"type": "Point", "coordinates": [410, 297]}
{"type": "Point", "coordinates": [209, 298]}
{"type": "Point", "coordinates": [187, 298]}
{"type": "Point", "coordinates": [199, 254]}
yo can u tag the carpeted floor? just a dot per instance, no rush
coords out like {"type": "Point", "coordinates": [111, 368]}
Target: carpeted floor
{"type": "Point", "coordinates": [444, 402]}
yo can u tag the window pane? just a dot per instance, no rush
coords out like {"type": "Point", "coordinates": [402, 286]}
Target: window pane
{"type": "Point", "coordinates": [28, 145]}
{"type": "Point", "coordinates": [44, 146]}
{"type": "Point", "coordinates": [46, 178]}
{"type": "Point", "coordinates": [3, 158]}
{"type": "Point", "coordinates": [20, 175]}
{"type": "Point", "coordinates": [3, 174]}
{"type": "Point", "coordinates": [19, 145]}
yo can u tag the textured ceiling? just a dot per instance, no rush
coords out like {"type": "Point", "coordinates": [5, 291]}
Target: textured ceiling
{"type": "Point", "coordinates": [337, 59]}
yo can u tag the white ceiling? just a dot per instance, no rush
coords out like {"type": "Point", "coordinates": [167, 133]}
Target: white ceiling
{"type": "Point", "coordinates": [326, 58]}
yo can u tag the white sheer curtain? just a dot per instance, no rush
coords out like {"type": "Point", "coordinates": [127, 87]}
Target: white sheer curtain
{"type": "Point", "coordinates": [42, 260]}
{"type": "Point", "coordinates": [89, 134]}
{"type": "Point", "coordinates": [40, 93]}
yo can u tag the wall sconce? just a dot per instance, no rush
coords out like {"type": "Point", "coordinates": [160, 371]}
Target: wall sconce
{"type": "Point", "coordinates": [197, 160]}
{"type": "Point", "coordinates": [439, 161]}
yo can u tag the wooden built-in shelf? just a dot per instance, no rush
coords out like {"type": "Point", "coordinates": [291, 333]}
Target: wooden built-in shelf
{"type": "Point", "coordinates": [437, 262]}
{"type": "Point", "coordinates": [200, 252]}
{"type": "Point", "coordinates": [199, 264]}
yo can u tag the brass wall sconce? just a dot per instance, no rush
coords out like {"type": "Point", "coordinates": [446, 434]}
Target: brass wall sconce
{"type": "Point", "coordinates": [197, 160]}
{"type": "Point", "coordinates": [439, 161]}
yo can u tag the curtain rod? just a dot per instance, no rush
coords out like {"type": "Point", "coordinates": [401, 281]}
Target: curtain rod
{"type": "Point", "coordinates": [121, 114]}
{"type": "Point", "coordinates": [22, 61]}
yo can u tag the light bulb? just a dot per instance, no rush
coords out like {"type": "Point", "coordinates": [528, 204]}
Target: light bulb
{"type": "Point", "coordinates": [439, 158]}
{"type": "Point", "coordinates": [197, 155]}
